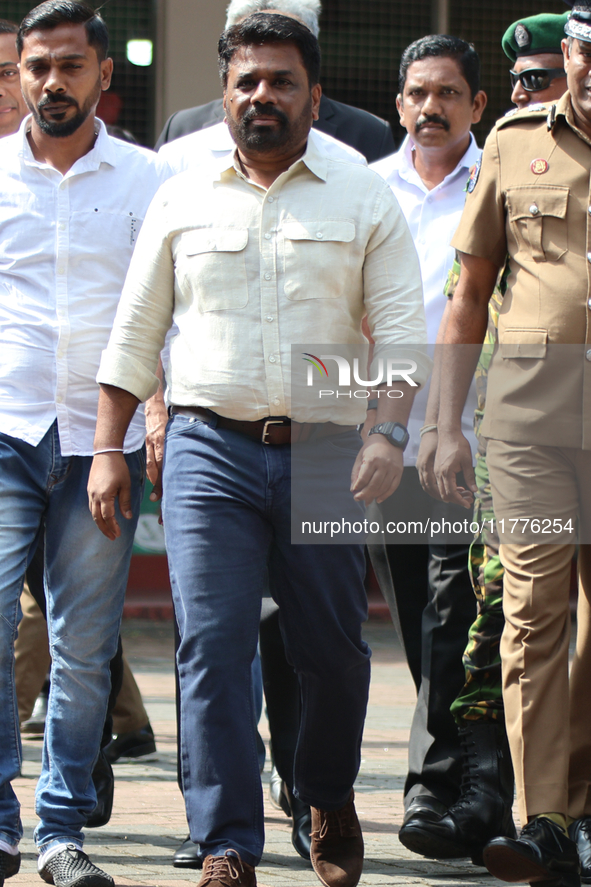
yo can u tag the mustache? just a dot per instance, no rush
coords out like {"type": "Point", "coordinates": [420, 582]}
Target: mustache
{"type": "Point", "coordinates": [263, 111]}
{"type": "Point", "coordinates": [54, 98]}
{"type": "Point", "coordinates": [431, 118]}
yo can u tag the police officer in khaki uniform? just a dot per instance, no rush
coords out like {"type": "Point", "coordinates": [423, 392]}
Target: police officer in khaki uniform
{"type": "Point", "coordinates": [531, 200]}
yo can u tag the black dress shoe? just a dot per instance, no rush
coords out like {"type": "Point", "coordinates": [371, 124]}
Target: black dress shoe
{"type": "Point", "coordinates": [542, 854]}
{"type": "Point", "coordinates": [104, 784]}
{"type": "Point", "coordinates": [580, 832]}
{"type": "Point", "coordinates": [9, 865]}
{"type": "Point", "coordinates": [302, 823]}
{"type": "Point", "coordinates": [422, 811]}
{"type": "Point", "coordinates": [276, 793]}
{"type": "Point", "coordinates": [133, 745]}
{"type": "Point", "coordinates": [425, 807]}
{"type": "Point", "coordinates": [187, 856]}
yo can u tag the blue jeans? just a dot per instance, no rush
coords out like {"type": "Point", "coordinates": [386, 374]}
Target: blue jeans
{"type": "Point", "coordinates": [227, 519]}
{"type": "Point", "coordinates": [85, 578]}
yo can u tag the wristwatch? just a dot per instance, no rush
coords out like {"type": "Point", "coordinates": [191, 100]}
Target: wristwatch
{"type": "Point", "coordinates": [394, 432]}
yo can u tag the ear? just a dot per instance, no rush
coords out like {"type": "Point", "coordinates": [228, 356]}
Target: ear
{"type": "Point", "coordinates": [400, 109]}
{"type": "Point", "coordinates": [316, 94]}
{"type": "Point", "coordinates": [106, 73]}
{"type": "Point", "coordinates": [566, 53]}
{"type": "Point", "coordinates": [478, 106]}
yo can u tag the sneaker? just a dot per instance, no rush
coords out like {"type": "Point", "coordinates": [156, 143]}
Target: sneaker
{"type": "Point", "coordinates": [227, 871]}
{"type": "Point", "coordinates": [132, 746]}
{"type": "Point", "coordinates": [9, 865]}
{"type": "Point", "coordinates": [72, 868]}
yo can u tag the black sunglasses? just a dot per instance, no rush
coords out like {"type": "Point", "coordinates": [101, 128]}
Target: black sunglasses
{"type": "Point", "coordinates": [536, 79]}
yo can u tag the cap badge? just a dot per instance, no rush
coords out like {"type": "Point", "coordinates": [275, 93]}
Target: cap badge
{"type": "Point", "coordinates": [522, 36]}
{"type": "Point", "coordinates": [539, 166]}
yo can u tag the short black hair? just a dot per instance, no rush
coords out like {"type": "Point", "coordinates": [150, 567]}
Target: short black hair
{"type": "Point", "coordinates": [7, 27]}
{"type": "Point", "coordinates": [263, 27]}
{"type": "Point", "coordinates": [444, 46]}
{"type": "Point", "coordinates": [53, 13]}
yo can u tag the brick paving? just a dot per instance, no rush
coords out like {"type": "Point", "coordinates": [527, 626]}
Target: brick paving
{"type": "Point", "coordinates": [148, 821]}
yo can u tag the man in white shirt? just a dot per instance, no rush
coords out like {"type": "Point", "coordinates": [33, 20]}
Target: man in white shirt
{"type": "Point", "coordinates": [278, 245]}
{"type": "Point", "coordinates": [73, 202]}
{"type": "Point", "coordinates": [439, 100]}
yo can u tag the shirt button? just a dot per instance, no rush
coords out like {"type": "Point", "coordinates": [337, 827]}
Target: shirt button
{"type": "Point", "coordinates": [269, 318]}
{"type": "Point", "coordinates": [589, 257]}
{"type": "Point", "coordinates": [59, 398]}
{"type": "Point", "coordinates": [270, 199]}
{"type": "Point", "coordinates": [276, 400]}
{"type": "Point", "coordinates": [62, 226]}
{"type": "Point", "coordinates": [590, 210]}
{"type": "Point", "coordinates": [319, 235]}
{"type": "Point", "coordinates": [61, 269]}
{"type": "Point", "coordinates": [272, 358]}
{"type": "Point", "coordinates": [588, 354]}
{"type": "Point", "coordinates": [267, 276]}
{"type": "Point", "coordinates": [267, 237]}
{"type": "Point", "coordinates": [534, 210]}
{"type": "Point", "coordinates": [589, 303]}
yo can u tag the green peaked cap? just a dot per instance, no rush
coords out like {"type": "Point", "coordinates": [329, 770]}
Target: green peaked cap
{"type": "Point", "coordinates": [534, 35]}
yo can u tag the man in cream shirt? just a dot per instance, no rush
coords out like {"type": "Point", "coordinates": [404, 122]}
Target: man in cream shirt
{"type": "Point", "coordinates": [278, 245]}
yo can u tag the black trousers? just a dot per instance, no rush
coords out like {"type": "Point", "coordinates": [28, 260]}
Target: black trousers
{"type": "Point", "coordinates": [429, 591]}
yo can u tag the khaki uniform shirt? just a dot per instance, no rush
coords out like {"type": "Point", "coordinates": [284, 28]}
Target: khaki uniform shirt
{"type": "Point", "coordinates": [532, 201]}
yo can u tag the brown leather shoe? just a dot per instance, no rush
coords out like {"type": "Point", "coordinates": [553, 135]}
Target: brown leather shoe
{"type": "Point", "coordinates": [337, 845]}
{"type": "Point", "coordinates": [227, 871]}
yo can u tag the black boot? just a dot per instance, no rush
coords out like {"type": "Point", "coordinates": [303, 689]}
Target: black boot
{"type": "Point", "coordinates": [483, 810]}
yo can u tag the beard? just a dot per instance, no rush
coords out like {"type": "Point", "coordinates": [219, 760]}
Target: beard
{"type": "Point", "coordinates": [265, 139]}
{"type": "Point", "coordinates": [59, 128]}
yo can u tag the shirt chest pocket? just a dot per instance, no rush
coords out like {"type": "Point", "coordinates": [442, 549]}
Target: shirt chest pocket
{"type": "Point", "coordinates": [537, 215]}
{"type": "Point", "coordinates": [211, 263]}
{"type": "Point", "coordinates": [317, 258]}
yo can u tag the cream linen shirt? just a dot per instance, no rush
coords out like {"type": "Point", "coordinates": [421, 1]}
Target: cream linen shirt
{"type": "Point", "coordinates": [244, 273]}
{"type": "Point", "coordinates": [65, 245]}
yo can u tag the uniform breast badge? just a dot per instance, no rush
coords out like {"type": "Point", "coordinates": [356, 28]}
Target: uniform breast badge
{"type": "Point", "coordinates": [539, 166]}
{"type": "Point", "coordinates": [474, 173]}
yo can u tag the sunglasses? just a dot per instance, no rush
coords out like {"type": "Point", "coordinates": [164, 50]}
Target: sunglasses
{"type": "Point", "coordinates": [536, 79]}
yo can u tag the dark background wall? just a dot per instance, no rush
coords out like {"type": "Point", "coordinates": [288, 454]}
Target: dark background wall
{"type": "Point", "coordinates": [362, 41]}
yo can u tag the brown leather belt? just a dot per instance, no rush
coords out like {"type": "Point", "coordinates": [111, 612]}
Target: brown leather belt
{"type": "Point", "coordinates": [273, 431]}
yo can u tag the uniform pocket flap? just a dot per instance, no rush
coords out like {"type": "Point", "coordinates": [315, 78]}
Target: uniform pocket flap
{"type": "Point", "coordinates": [530, 202]}
{"type": "Point", "coordinates": [524, 343]}
{"type": "Point", "coordinates": [208, 240]}
{"type": "Point", "coordinates": [323, 230]}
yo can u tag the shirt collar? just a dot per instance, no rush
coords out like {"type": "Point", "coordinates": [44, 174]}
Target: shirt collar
{"type": "Point", "coordinates": [564, 108]}
{"type": "Point", "coordinates": [404, 160]}
{"type": "Point", "coordinates": [103, 150]}
{"type": "Point", "coordinates": [314, 158]}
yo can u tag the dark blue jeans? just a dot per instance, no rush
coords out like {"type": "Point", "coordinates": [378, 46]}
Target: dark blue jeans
{"type": "Point", "coordinates": [227, 521]}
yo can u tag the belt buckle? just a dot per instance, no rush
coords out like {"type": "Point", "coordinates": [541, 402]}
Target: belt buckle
{"type": "Point", "coordinates": [265, 433]}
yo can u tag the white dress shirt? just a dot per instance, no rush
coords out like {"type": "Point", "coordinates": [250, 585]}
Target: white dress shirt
{"type": "Point", "coordinates": [65, 246]}
{"type": "Point", "coordinates": [432, 216]}
{"type": "Point", "coordinates": [245, 272]}
{"type": "Point", "coordinates": [215, 142]}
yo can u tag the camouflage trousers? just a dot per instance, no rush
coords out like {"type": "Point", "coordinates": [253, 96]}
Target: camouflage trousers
{"type": "Point", "coordinates": [481, 696]}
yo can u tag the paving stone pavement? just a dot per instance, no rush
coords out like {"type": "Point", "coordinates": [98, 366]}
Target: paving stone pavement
{"type": "Point", "coordinates": [148, 821]}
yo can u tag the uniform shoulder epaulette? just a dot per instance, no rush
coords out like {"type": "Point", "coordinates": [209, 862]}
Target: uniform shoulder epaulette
{"type": "Point", "coordinates": [536, 111]}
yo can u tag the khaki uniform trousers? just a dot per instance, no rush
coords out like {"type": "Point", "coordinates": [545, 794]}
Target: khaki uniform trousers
{"type": "Point", "coordinates": [548, 718]}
